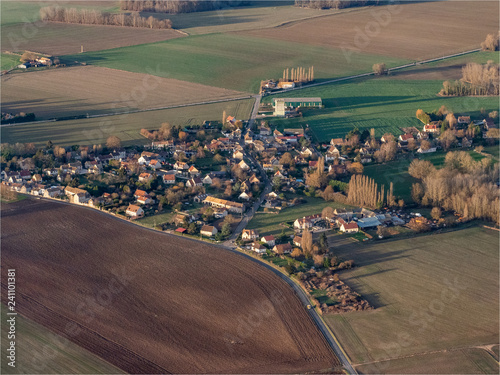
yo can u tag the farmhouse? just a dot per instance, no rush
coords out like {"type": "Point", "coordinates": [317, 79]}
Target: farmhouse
{"type": "Point", "coordinates": [208, 231]}
{"type": "Point", "coordinates": [282, 106]}
{"type": "Point", "coordinates": [222, 203]}
{"type": "Point", "coordinates": [351, 227]}
{"type": "Point", "coordinates": [249, 235]}
{"type": "Point", "coordinates": [306, 221]}
{"type": "Point", "coordinates": [134, 211]}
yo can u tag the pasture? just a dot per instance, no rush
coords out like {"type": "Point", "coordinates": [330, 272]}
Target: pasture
{"type": "Point", "coordinates": [125, 126]}
{"type": "Point", "coordinates": [156, 303]}
{"type": "Point", "coordinates": [434, 293]}
{"type": "Point", "coordinates": [386, 104]}
{"type": "Point", "coordinates": [9, 61]}
{"type": "Point", "coordinates": [40, 351]}
{"type": "Point", "coordinates": [230, 61]}
{"type": "Point", "coordinates": [96, 90]}
{"type": "Point", "coordinates": [408, 31]}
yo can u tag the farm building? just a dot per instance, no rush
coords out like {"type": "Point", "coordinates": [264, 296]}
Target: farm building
{"type": "Point", "coordinates": [283, 105]}
{"type": "Point", "coordinates": [369, 223]}
{"type": "Point", "coordinates": [222, 203]}
{"type": "Point", "coordinates": [208, 231]}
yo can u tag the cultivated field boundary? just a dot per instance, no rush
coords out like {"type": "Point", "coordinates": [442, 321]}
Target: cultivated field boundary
{"type": "Point", "coordinates": [330, 338]}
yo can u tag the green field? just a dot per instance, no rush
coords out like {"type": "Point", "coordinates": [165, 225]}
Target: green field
{"type": "Point", "coordinates": [416, 309]}
{"type": "Point", "coordinates": [229, 60]}
{"type": "Point", "coordinates": [40, 351]}
{"type": "Point", "coordinates": [9, 61]}
{"type": "Point", "coordinates": [384, 103]}
{"type": "Point", "coordinates": [126, 127]}
{"type": "Point", "coordinates": [464, 361]}
{"type": "Point", "coordinates": [269, 223]}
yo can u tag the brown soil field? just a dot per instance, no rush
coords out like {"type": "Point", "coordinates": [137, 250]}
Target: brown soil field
{"type": "Point", "coordinates": [412, 31]}
{"type": "Point", "coordinates": [148, 302]}
{"type": "Point", "coordinates": [65, 39]}
{"type": "Point", "coordinates": [89, 89]}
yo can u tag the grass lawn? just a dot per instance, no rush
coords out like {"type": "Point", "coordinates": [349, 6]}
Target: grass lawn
{"type": "Point", "coordinates": [269, 223]}
{"type": "Point", "coordinates": [383, 103]}
{"type": "Point", "coordinates": [416, 309]}
{"type": "Point", "coordinates": [9, 61]}
{"type": "Point", "coordinates": [228, 60]}
{"type": "Point", "coordinates": [150, 221]}
{"type": "Point", "coordinates": [40, 351]}
{"type": "Point", "coordinates": [493, 150]}
{"type": "Point", "coordinates": [126, 127]}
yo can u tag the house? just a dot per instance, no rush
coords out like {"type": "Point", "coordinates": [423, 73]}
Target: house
{"type": "Point", "coordinates": [337, 169]}
{"type": "Point", "coordinates": [154, 164]}
{"type": "Point", "coordinates": [339, 142]}
{"type": "Point", "coordinates": [222, 203]}
{"type": "Point", "coordinates": [351, 227]}
{"type": "Point", "coordinates": [463, 120]}
{"type": "Point", "coordinates": [207, 180]}
{"type": "Point", "coordinates": [134, 211]}
{"type": "Point", "coordinates": [220, 213]}
{"type": "Point", "coordinates": [76, 195]}
{"type": "Point", "coordinates": [249, 235]}
{"type": "Point", "coordinates": [181, 166]}
{"type": "Point", "coordinates": [489, 124]}
{"type": "Point", "coordinates": [332, 153]}
{"type": "Point", "coordinates": [145, 177]}
{"type": "Point", "coordinates": [306, 221]}
{"type": "Point", "coordinates": [285, 248]}
{"type": "Point", "coordinates": [244, 166]}
{"type": "Point", "coordinates": [258, 248]}
{"type": "Point", "coordinates": [142, 197]}
{"type": "Point", "coordinates": [168, 179]}
{"type": "Point", "coordinates": [254, 180]}
{"type": "Point", "coordinates": [25, 175]}
{"type": "Point", "coordinates": [297, 241]}
{"type": "Point", "coordinates": [306, 152]}
{"type": "Point", "coordinates": [52, 192]}
{"type": "Point", "coordinates": [268, 240]}
{"type": "Point", "coordinates": [193, 171]}
{"type": "Point", "coordinates": [208, 231]}
{"type": "Point", "coordinates": [405, 137]}
{"type": "Point", "coordinates": [194, 182]}
{"type": "Point", "coordinates": [238, 155]}
{"type": "Point", "coordinates": [431, 149]}
{"type": "Point", "coordinates": [37, 178]}
{"type": "Point", "coordinates": [265, 131]}
{"type": "Point", "coordinates": [244, 196]}
{"type": "Point", "coordinates": [432, 127]}
{"type": "Point", "coordinates": [313, 164]}
{"type": "Point", "coordinates": [279, 175]}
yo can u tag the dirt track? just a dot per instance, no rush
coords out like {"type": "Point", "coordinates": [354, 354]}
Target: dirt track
{"type": "Point", "coordinates": [152, 303]}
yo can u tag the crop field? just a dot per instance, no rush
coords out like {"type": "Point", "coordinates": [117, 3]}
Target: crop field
{"type": "Point", "coordinates": [434, 293]}
{"type": "Point", "coordinates": [63, 39]}
{"type": "Point", "coordinates": [383, 103]}
{"type": "Point", "coordinates": [462, 361]}
{"type": "Point", "coordinates": [434, 29]}
{"type": "Point", "coordinates": [41, 351]}
{"type": "Point", "coordinates": [269, 223]}
{"type": "Point", "coordinates": [96, 90]}
{"type": "Point", "coordinates": [153, 303]}
{"type": "Point", "coordinates": [125, 126]}
{"type": "Point", "coordinates": [9, 61]}
{"type": "Point", "coordinates": [231, 61]}
{"type": "Point", "coordinates": [265, 14]}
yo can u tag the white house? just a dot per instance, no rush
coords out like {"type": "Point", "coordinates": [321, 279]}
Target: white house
{"type": "Point", "coordinates": [249, 235]}
{"type": "Point", "coordinates": [258, 248]}
{"type": "Point", "coordinates": [134, 211]}
{"type": "Point", "coordinates": [145, 177]}
{"type": "Point", "coordinates": [208, 231]}
{"type": "Point", "coordinates": [268, 240]}
{"type": "Point", "coordinates": [432, 149]}
{"type": "Point", "coordinates": [351, 227]}
{"type": "Point", "coordinates": [244, 166]}
{"type": "Point", "coordinates": [168, 179]}
{"type": "Point", "coordinates": [238, 155]}
{"type": "Point", "coordinates": [207, 180]}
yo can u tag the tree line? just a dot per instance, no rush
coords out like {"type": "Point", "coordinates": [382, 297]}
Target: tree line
{"type": "Point", "coordinates": [298, 75]}
{"type": "Point", "coordinates": [476, 79]}
{"type": "Point", "coordinates": [96, 17]}
{"type": "Point", "coordinates": [176, 6]}
{"type": "Point", "coordinates": [336, 4]}
{"type": "Point", "coordinates": [463, 185]}
{"type": "Point", "coordinates": [365, 192]}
